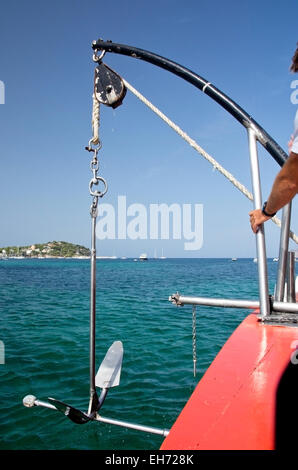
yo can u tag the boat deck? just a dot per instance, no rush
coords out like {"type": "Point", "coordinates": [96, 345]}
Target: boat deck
{"type": "Point", "coordinates": [247, 397]}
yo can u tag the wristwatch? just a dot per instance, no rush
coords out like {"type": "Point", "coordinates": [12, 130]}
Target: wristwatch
{"type": "Point", "coordinates": [266, 213]}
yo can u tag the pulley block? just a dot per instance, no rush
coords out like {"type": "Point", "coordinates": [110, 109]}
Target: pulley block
{"type": "Point", "coordinates": [108, 86]}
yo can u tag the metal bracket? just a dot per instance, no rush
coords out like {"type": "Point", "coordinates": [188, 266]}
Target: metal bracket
{"type": "Point", "coordinates": [281, 319]}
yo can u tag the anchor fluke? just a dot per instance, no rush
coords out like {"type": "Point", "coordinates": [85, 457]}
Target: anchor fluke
{"type": "Point", "coordinates": [108, 374]}
{"type": "Point", "coordinates": [72, 413]}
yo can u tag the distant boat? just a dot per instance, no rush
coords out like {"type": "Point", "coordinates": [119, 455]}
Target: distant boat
{"type": "Point", "coordinates": [106, 257]}
{"type": "Point", "coordinates": [162, 256]}
{"type": "Point", "coordinates": [143, 257]}
{"type": "Point", "coordinates": [275, 259]}
{"type": "Point", "coordinates": [255, 260]}
{"type": "Point", "coordinates": [234, 259]}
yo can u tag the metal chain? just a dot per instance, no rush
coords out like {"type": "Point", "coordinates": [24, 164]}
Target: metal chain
{"type": "Point", "coordinates": [194, 340]}
{"type": "Point", "coordinates": [94, 164]}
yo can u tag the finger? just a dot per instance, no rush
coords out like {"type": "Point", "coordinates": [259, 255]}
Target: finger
{"type": "Point", "coordinates": [255, 227]}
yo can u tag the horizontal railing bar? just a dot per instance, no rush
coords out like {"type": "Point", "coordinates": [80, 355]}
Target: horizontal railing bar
{"type": "Point", "coordinates": [125, 424]}
{"type": "Point", "coordinates": [231, 303]}
{"type": "Point", "coordinates": [213, 302]}
{"type": "Point", "coordinates": [288, 307]}
{"type": "Point", "coordinates": [138, 427]}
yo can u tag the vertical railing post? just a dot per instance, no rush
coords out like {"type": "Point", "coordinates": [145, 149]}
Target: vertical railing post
{"type": "Point", "coordinates": [260, 236]}
{"type": "Point", "coordinates": [291, 294]}
{"type": "Point", "coordinates": [283, 253]}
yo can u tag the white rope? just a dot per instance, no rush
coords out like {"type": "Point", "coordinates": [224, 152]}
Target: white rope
{"type": "Point", "coordinates": [201, 151]}
{"type": "Point", "coordinates": [95, 120]}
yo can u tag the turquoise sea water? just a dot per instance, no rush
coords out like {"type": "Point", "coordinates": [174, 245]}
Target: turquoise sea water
{"type": "Point", "coordinates": [44, 324]}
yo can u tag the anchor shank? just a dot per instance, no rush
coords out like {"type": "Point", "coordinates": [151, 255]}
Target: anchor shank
{"type": "Point", "coordinates": [92, 309]}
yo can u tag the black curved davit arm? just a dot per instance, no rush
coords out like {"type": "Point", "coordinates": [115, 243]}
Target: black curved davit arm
{"type": "Point", "coordinates": [247, 121]}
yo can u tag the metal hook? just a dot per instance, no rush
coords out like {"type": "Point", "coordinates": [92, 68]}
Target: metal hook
{"type": "Point", "coordinates": [97, 58]}
{"type": "Point", "coordinates": [93, 149]}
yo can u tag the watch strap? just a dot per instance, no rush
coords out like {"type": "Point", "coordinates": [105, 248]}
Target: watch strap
{"type": "Point", "coordinates": [266, 213]}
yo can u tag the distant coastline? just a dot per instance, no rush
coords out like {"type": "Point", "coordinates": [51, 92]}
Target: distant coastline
{"type": "Point", "coordinates": [49, 250]}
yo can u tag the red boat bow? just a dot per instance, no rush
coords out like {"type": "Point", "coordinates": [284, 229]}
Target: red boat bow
{"type": "Point", "coordinates": [234, 406]}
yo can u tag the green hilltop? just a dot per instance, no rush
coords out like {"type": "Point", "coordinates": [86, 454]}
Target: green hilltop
{"type": "Point", "coordinates": [46, 250]}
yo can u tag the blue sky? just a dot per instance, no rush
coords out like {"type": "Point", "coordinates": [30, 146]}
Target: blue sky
{"type": "Point", "coordinates": [244, 48]}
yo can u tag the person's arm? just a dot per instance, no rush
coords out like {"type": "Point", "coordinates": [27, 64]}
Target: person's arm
{"type": "Point", "coordinates": [284, 188]}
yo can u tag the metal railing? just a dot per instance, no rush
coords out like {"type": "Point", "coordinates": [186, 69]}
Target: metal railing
{"type": "Point", "coordinates": [284, 299]}
{"type": "Point", "coordinates": [255, 134]}
{"type": "Point", "coordinates": [260, 235]}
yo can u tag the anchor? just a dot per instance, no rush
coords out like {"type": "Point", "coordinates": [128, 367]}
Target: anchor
{"type": "Point", "coordinates": [108, 376]}
{"type": "Point", "coordinates": [109, 89]}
